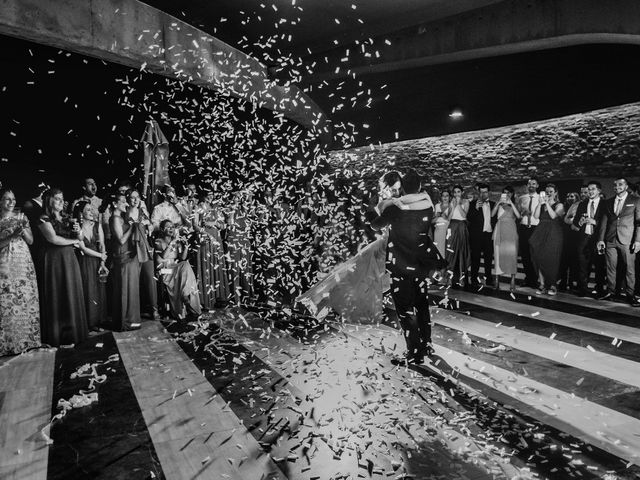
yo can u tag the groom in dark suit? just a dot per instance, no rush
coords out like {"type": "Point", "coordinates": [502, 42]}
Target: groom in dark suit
{"type": "Point", "coordinates": [410, 259]}
{"type": "Point", "coordinates": [619, 237]}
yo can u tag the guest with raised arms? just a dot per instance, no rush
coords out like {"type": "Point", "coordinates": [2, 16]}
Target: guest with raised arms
{"type": "Point", "coordinates": [458, 253]}
{"type": "Point", "coordinates": [126, 267]}
{"type": "Point", "coordinates": [547, 239]}
{"type": "Point", "coordinates": [139, 216]}
{"type": "Point", "coordinates": [505, 237]}
{"type": "Point", "coordinates": [441, 222]}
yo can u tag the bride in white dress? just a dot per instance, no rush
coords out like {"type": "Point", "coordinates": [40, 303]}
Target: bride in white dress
{"type": "Point", "coordinates": [355, 288]}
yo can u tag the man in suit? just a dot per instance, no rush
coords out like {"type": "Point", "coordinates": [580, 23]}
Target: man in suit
{"type": "Point", "coordinates": [586, 223]}
{"type": "Point", "coordinates": [481, 225]}
{"type": "Point", "coordinates": [33, 210]}
{"type": "Point", "coordinates": [619, 236]}
{"type": "Point", "coordinates": [527, 204]}
{"type": "Point", "coordinates": [410, 259]}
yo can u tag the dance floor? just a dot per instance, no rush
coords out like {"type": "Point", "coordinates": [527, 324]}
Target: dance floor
{"type": "Point", "coordinates": [520, 386]}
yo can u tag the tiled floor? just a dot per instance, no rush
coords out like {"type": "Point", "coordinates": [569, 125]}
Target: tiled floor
{"type": "Point", "coordinates": [519, 385]}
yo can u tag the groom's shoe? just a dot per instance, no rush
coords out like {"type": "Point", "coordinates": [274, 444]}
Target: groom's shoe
{"type": "Point", "coordinates": [417, 359]}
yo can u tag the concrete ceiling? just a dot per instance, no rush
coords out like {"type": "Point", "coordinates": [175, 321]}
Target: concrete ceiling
{"type": "Point", "coordinates": [310, 24]}
{"type": "Point", "coordinates": [394, 69]}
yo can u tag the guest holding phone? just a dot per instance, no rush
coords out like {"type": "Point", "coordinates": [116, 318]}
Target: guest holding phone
{"type": "Point", "coordinates": [505, 237]}
{"type": "Point", "coordinates": [546, 242]}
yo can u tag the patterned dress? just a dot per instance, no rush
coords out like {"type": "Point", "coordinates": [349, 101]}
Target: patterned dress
{"type": "Point", "coordinates": [19, 308]}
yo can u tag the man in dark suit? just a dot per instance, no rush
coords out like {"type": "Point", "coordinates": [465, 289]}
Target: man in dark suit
{"type": "Point", "coordinates": [410, 259]}
{"type": "Point", "coordinates": [619, 236]}
{"type": "Point", "coordinates": [33, 210]}
{"type": "Point", "coordinates": [481, 225]}
{"type": "Point", "coordinates": [586, 223]}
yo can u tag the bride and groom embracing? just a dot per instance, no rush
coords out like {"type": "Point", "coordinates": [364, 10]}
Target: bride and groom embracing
{"type": "Point", "coordinates": [402, 258]}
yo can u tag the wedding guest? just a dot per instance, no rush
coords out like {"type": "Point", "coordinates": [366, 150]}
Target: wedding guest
{"type": "Point", "coordinates": [34, 209]}
{"type": "Point", "coordinates": [587, 222]}
{"type": "Point", "coordinates": [505, 237]}
{"type": "Point", "coordinates": [546, 240]}
{"type": "Point", "coordinates": [527, 205]}
{"type": "Point", "coordinates": [189, 202]}
{"type": "Point", "coordinates": [176, 274]}
{"type": "Point", "coordinates": [584, 192]}
{"type": "Point", "coordinates": [619, 238]}
{"type": "Point", "coordinates": [126, 268]}
{"type": "Point", "coordinates": [122, 187]}
{"type": "Point", "coordinates": [457, 254]}
{"type": "Point", "coordinates": [91, 259]}
{"type": "Point", "coordinates": [89, 190]}
{"type": "Point", "coordinates": [480, 224]}
{"type": "Point", "coordinates": [212, 268]}
{"type": "Point", "coordinates": [63, 318]}
{"type": "Point", "coordinates": [169, 209]}
{"type": "Point", "coordinates": [19, 308]}
{"type": "Point", "coordinates": [568, 273]}
{"type": "Point", "coordinates": [441, 222]}
{"type": "Point", "coordinates": [141, 225]}
{"type": "Point", "coordinates": [239, 245]}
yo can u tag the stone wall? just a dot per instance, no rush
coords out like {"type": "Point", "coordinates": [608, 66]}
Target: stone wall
{"type": "Point", "coordinates": [598, 144]}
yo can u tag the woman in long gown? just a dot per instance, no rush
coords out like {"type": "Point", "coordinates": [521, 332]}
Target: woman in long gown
{"type": "Point", "coordinates": [505, 238]}
{"type": "Point", "coordinates": [458, 252]}
{"type": "Point", "coordinates": [91, 259]}
{"type": "Point", "coordinates": [546, 242]}
{"type": "Point", "coordinates": [239, 245]}
{"type": "Point", "coordinates": [441, 222]}
{"type": "Point", "coordinates": [126, 268]}
{"type": "Point", "coordinates": [137, 213]}
{"type": "Point", "coordinates": [63, 320]}
{"type": "Point", "coordinates": [176, 273]}
{"type": "Point", "coordinates": [19, 308]}
{"type": "Point", "coordinates": [212, 268]}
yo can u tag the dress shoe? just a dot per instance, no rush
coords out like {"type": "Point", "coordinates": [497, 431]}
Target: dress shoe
{"type": "Point", "coordinates": [416, 360]}
{"type": "Point", "coordinates": [606, 296]}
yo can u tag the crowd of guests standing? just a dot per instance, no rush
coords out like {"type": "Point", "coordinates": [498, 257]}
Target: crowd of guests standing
{"type": "Point", "coordinates": [70, 269]}
{"type": "Point", "coordinates": [560, 243]}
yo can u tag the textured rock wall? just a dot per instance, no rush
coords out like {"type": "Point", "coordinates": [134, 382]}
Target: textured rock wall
{"type": "Point", "coordinates": [597, 144]}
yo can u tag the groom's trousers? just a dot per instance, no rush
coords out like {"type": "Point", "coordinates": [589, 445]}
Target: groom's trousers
{"type": "Point", "coordinates": [411, 295]}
